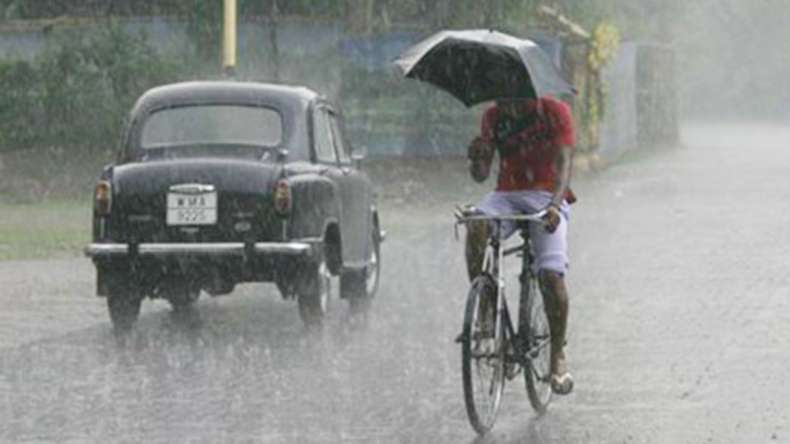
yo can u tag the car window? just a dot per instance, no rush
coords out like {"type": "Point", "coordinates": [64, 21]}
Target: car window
{"type": "Point", "coordinates": [340, 142]}
{"type": "Point", "coordinates": [323, 137]}
{"type": "Point", "coordinates": [212, 124]}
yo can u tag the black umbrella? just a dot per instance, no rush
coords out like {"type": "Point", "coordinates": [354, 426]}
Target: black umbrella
{"type": "Point", "coordinates": [481, 65]}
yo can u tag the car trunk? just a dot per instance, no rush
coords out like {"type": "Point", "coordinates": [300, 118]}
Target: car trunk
{"type": "Point", "coordinates": [142, 211]}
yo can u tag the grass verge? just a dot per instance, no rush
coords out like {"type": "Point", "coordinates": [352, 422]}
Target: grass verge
{"type": "Point", "coordinates": [48, 229]}
{"type": "Point", "coordinates": [411, 191]}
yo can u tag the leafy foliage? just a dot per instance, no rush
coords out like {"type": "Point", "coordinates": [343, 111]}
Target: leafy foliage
{"type": "Point", "coordinates": [76, 91]}
{"type": "Point", "coordinates": [64, 110]}
{"type": "Point", "coordinates": [82, 84]}
{"type": "Point", "coordinates": [18, 121]}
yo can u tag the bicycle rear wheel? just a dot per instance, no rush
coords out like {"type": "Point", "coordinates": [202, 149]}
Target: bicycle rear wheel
{"type": "Point", "coordinates": [534, 329]}
{"type": "Point", "coordinates": [482, 355]}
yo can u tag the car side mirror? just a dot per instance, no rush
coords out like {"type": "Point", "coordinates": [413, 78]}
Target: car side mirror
{"type": "Point", "coordinates": [359, 154]}
{"type": "Point", "coordinates": [282, 155]}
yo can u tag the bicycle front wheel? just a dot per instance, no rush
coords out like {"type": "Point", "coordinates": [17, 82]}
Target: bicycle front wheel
{"type": "Point", "coordinates": [482, 355]}
{"type": "Point", "coordinates": [534, 329]}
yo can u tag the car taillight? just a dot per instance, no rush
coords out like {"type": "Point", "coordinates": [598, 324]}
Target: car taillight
{"type": "Point", "coordinates": [282, 197]}
{"type": "Point", "coordinates": [103, 198]}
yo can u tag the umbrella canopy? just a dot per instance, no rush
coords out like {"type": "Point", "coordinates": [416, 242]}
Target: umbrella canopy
{"type": "Point", "coordinates": [477, 66]}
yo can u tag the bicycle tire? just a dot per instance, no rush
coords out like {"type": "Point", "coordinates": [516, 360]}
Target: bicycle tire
{"type": "Point", "coordinates": [534, 328]}
{"type": "Point", "coordinates": [481, 419]}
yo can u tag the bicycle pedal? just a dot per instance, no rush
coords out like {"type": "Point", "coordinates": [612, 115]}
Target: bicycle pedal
{"type": "Point", "coordinates": [484, 349]}
{"type": "Point", "coordinates": [512, 370]}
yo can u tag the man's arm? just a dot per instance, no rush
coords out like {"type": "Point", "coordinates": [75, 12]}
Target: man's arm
{"type": "Point", "coordinates": [560, 120]}
{"type": "Point", "coordinates": [480, 154]}
{"type": "Point", "coordinates": [563, 163]}
{"type": "Point", "coordinates": [481, 150]}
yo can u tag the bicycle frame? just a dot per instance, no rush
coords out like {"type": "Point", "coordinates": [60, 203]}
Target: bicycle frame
{"type": "Point", "coordinates": [492, 264]}
{"type": "Point", "coordinates": [487, 362]}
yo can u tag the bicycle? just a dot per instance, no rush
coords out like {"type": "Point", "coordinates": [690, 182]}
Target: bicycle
{"type": "Point", "coordinates": [491, 350]}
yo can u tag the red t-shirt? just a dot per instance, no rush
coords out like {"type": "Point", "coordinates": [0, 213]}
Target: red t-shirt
{"type": "Point", "coordinates": [528, 149]}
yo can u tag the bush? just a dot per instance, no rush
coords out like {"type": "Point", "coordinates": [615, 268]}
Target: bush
{"type": "Point", "coordinates": [68, 105]}
{"type": "Point", "coordinates": [78, 90]}
{"type": "Point", "coordinates": [18, 81]}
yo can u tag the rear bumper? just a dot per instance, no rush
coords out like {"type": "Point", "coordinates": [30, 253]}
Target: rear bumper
{"type": "Point", "coordinates": [300, 248]}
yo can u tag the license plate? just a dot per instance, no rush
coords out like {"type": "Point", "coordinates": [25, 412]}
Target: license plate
{"type": "Point", "coordinates": [192, 209]}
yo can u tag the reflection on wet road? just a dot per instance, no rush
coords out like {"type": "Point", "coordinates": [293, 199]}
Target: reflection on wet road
{"type": "Point", "coordinates": [679, 325]}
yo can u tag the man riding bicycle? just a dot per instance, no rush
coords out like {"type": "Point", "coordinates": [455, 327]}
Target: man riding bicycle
{"type": "Point", "coordinates": [534, 139]}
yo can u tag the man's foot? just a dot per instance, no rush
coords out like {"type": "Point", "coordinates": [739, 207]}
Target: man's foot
{"type": "Point", "coordinates": [512, 368]}
{"type": "Point", "coordinates": [561, 379]}
{"type": "Point", "coordinates": [562, 384]}
{"type": "Point", "coordinates": [484, 348]}
{"type": "Point", "coordinates": [483, 343]}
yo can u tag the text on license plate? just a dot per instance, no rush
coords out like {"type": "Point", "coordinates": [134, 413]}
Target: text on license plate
{"type": "Point", "coordinates": [191, 209]}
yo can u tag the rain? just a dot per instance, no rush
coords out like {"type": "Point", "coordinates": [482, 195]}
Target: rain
{"type": "Point", "coordinates": [303, 279]}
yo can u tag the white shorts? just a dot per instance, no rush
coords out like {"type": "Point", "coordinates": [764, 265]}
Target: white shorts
{"type": "Point", "coordinates": [551, 249]}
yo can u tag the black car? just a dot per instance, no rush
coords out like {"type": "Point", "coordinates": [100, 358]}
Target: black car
{"type": "Point", "coordinates": [223, 182]}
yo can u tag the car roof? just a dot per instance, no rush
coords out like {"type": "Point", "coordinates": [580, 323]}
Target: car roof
{"type": "Point", "coordinates": [293, 103]}
{"type": "Point", "coordinates": [224, 91]}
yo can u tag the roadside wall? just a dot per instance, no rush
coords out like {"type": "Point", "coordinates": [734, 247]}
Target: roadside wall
{"type": "Point", "coordinates": [619, 127]}
{"type": "Point", "coordinates": [641, 106]}
{"type": "Point", "coordinates": [389, 115]}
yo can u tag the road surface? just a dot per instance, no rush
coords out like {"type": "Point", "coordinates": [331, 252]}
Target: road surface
{"type": "Point", "coordinates": [679, 330]}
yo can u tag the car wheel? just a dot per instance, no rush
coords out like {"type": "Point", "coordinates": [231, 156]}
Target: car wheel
{"type": "Point", "coordinates": [359, 287]}
{"type": "Point", "coordinates": [313, 296]}
{"type": "Point", "coordinates": [123, 303]}
{"type": "Point", "coordinates": [286, 288]}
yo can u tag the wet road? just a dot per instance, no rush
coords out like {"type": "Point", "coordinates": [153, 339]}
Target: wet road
{"type": "Point", "coordinates": [679, 331]}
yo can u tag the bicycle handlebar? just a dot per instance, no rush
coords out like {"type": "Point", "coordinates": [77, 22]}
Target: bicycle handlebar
{"type": "Point", "coordinates": [461, 218]}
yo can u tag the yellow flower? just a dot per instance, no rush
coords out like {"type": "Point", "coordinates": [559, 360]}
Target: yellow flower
{"type": "Point", "coordinates": [604, 43]}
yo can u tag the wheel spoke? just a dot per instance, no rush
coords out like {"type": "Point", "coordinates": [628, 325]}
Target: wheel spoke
{"type": "Point", "coordinates": [540, 376]}
{"type": "Point", "coordinates": [493, 386]}
{"type": "Point", "coordinates": [483, 360]}
{"type": "Point", "coordinates": [538, 340]}
{"type": "Point", "coordinates": [541, 345]}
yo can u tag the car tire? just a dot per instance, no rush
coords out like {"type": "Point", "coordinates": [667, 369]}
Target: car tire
{"type": "Point", "coordinates": [123, 303]}
{"type": "Point", "coordinates": [360, 286]}
{"type": "Point", "coordinates": [286, 289]}
{"type": "Point", "coordinates": [313, 293]}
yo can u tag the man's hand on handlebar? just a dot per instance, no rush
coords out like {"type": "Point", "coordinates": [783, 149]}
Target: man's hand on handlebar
{"type": "Point", "coordinates": [552, 218]}
{"type": "Point", "coordinates": [479, 153]}
{"type": "Point", "coordinates": [479, 149]}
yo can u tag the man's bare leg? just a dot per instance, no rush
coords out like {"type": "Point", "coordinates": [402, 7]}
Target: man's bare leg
{"type": "Point", "coordinates": [476, 239]}
{"type": "Point", "coordinates": [555, 301]}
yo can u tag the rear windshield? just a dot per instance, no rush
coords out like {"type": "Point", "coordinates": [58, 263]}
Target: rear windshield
{"type": "Point", "coordinates": [230, 125]}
